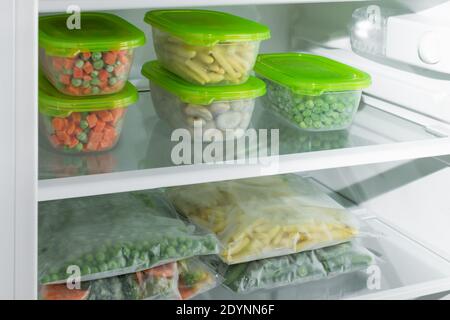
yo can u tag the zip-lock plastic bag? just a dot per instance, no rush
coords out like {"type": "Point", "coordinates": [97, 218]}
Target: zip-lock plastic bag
{"type": "Point", "coordinates": [105, 236]}
{"type": "Point", "coordinates": [156, 283]}
{"type": "Point", "coordinates": [294, 269]}
{"type": "Point", "coordinates": [265, 217]}
{"type": "Point", "coordinates": [195, 278]}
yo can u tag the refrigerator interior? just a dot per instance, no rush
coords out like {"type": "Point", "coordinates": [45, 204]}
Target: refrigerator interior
{"type": "Point", "coordinates": [403, 199]}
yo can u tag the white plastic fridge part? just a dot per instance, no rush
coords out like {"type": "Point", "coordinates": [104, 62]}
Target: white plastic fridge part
{"type": "Point", "coordinates": [420, 39]}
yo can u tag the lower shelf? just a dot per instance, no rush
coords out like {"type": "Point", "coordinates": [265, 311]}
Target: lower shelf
{"type": "Point", "coordinates": [407, 270]}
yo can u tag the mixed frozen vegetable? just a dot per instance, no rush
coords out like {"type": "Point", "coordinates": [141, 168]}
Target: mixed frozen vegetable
{"type": "Point", "coordinates": [89, 73]}
{"type": "Point", "coordinates": [265, 217]}
{"type": "Point", "coordinates": [195, 278]}
{"type": "Point", "coordinates": [113, 235]}
{"type": "Point", "coordinates": [296, 268]}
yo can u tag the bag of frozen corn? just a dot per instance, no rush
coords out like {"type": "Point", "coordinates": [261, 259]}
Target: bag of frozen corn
{"type": "Point", "coordinates": [294, 269]}
{"type": "Point", "coordinates": [265, 217]}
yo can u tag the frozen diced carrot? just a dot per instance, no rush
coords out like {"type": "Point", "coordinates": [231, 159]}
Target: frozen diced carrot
{"type": "Point", "coordinates": [103, 84]}
{"type": "Point", "coordinates": [95, 136]}
{"type": "Point", "coordinates": [123, 59]}
{"type": "Point", "coordinates": [73, 90]}
{"type": "Point", "coordinates": [92, 146]}
{"type": "Point", "coordinates": [103, 75]}
{"type": "Point", "coordinates": [92, 120]}
{"type": "Point", "coordinates": [86, 91]}
{"type": "Point", "coordinates": [119, 70]}
{"type": "Point", "coordinates": [58, 124]}
{"type": "Point", "coordinates": [88, 67]}
{"type": "Point", "coordinates": [63, 137]}
{"type": "Point", "coordinates": [109, 132]}
{"type": "Point", "coordinates": [106, 144]}
{"type": "Point", "coordinates": [109, 57]}
{"type": "Point", "coordinates": [64, 79]}
{"type": "Point", "coordinates": [76, 117]}
{"type": "Point", "coordinates": [105, 115]}
{"type": "Point", "coordinates": [54, 140]}
{"type": "Point", "coordinates": [78, 73]}
{"type": "Point", "coordinates": [57, 63]}
{"type": "Point", "coordinates": [73, 142]}
{"type": "Point", "coordinates": [87, 78]}
{"type": "Point", "coordinates": [68, 63]}
{"type": "Point", "coordinates": [86, 55]}
{"type": "Point", "coordinates": [77, 131]}
{"type": "Point", "coordinates": [100, 125]}
{"type": "Point", "coordinates": [71, 128]}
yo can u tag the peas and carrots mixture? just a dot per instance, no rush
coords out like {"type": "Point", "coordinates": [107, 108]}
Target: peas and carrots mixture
{"type": "Point", "coordinates": [89, 73]}
{"type": "Point", "coordinates": [85, 131]}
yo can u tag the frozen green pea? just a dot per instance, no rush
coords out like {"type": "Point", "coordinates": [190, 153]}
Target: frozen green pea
{"type": "Point", "coordinates": [79, 147]}
{"type": "Point", "coordinates": [94, 74]}
{"type": "Point", "coordinates": [82, 136]}
{"type": "Point", "coordinates": [95, 90]}
{"type": "Point", "coordinates": [76, 82]}
{"type": "Point", "coordinates": [68, 71]}
{"type": "Point", "coordinates": [315, 117]}
{"type": "Point", "coordinates": [303, 125]}
{"type": "Point", "coordinates": [307, 113]}
{"type": "Point", "coordinates": [86, 84]}
{"type": "Point", "coordinates": [79, 63]}
{"type": "Point", "coordinates": [309, 104]}
{"type": "Point", "coordinates": [112, 81]}
{"type": "Point", "coordinates": [100, 257]}
{"type": "Point", "coordinates": [96, 56]}
{"type": "Point", "coordinates": [95, 82]}
{"type": "Point", "coordinates": [84, 124]}
{"type": "Point", "coordinates": [109, 68]}
{"type": "Point", "coordinates": [98, 64]}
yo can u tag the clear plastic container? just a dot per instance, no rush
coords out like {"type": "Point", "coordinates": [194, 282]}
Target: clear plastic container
{"type": "Point", "coordinates": [209, 113]}
{"type": "Point", "coordinates": [206, 47]}
{"type": "Point", "coordinates": [315, 93]}
{"type": "Point", "coordinates": [82, 124]}
{"type": "Point", "coordinates": [93, 60]}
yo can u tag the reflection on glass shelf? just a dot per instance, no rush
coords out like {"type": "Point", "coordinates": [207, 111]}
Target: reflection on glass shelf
{"type": "Point", "coordinates": [146, 141]}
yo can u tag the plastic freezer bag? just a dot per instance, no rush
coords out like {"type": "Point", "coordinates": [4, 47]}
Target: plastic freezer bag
{"type": "Point", "coordinates": [265, 217]}
{"type": "Point", "coordinates": [156, 283]}
{"type": "Point", "coordinates": [295, 268]}
{"type": "Point", "coordinates": [110, 235]}
{"type": "Point", "coordinates": [195, 277]}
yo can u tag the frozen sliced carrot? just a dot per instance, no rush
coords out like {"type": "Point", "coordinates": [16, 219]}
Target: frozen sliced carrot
{"type": "Point", "coordinates": [78, 73]}
{"type": "Point", "coordinates": [105, 115]}
{"type": "Point", "coordinates": [186, 292]}
{"type": "Point", "coordinates": [109, 57]}
{"type": "Point", "coordinates": [99, 126]}
{"type": "Point", "coordinates": [61, 292]}
{"type": "Point", "coordinates": [92, 120]}
{"type": "Point", "coordinates": [58, 124]}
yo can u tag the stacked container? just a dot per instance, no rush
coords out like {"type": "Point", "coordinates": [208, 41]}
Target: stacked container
{"type": "Point", "coordinates": [202, 77]}
{"type": "Point", "coordinates": [82, 65]}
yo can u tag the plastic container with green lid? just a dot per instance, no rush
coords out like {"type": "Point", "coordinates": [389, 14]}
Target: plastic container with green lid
{"type": "Point", "coordinates": [94, 59]}
{"type": "Point", "coordinates": [83, 124]}
{"type": "Point", "coordinates": [210, 113]}
{"type": "Point", "coordinates": [313, 92]}
{"type": "Point", "coordinates": [206, 47]}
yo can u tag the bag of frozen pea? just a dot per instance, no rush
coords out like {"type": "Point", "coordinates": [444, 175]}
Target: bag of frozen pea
{"type": "Point", "coordinates": [110, 235]}
{"type": "Point", "coordinates": [265, 217]}
{"type": "Point", "coordinates": [294, 269]}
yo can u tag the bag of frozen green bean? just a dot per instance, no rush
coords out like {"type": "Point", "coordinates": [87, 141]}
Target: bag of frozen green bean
{"type": "Point", "coordinates": [109, 235]}
{"type": "Point", "coordinates": [293, 269]}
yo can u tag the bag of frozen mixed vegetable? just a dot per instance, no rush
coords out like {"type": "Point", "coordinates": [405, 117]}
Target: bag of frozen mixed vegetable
{"type": "Point", "coordinates": [110, 235]}
{"type": "Point", "coordinates": [265, 217]}
{"type": "Point", "coordinates": [194, 278]}
{"type": "Point", "coordinates": [156, 283]}
{"type": "Point", "coordinates": [294, 269]}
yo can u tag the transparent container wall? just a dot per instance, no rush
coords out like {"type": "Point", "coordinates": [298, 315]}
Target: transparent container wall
{"type": "Point", "coordinates": [88, 73]}
{"type": "Point", "coordinates": [223, 63]}
{"type": "Point", "coordinates": [369, 29]}
{"type": "Point", "coordinates": [83, 132]}
{"type": "Point", "coordinates": [325, 112]}
{"type": "Point", "coordinates": [218, 121]}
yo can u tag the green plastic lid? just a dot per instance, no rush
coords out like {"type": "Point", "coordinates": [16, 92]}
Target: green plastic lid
{"type": "Point", "coordinates": [98, 32]}
{"type": "Point", "coordinates": [310, 74]}
{"type": "Point", "coordinates": [198, 94]}
{"type": "Point", "coordinates": [206, 28]}
{"type": "Point", "coordinates": [54, 103]}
